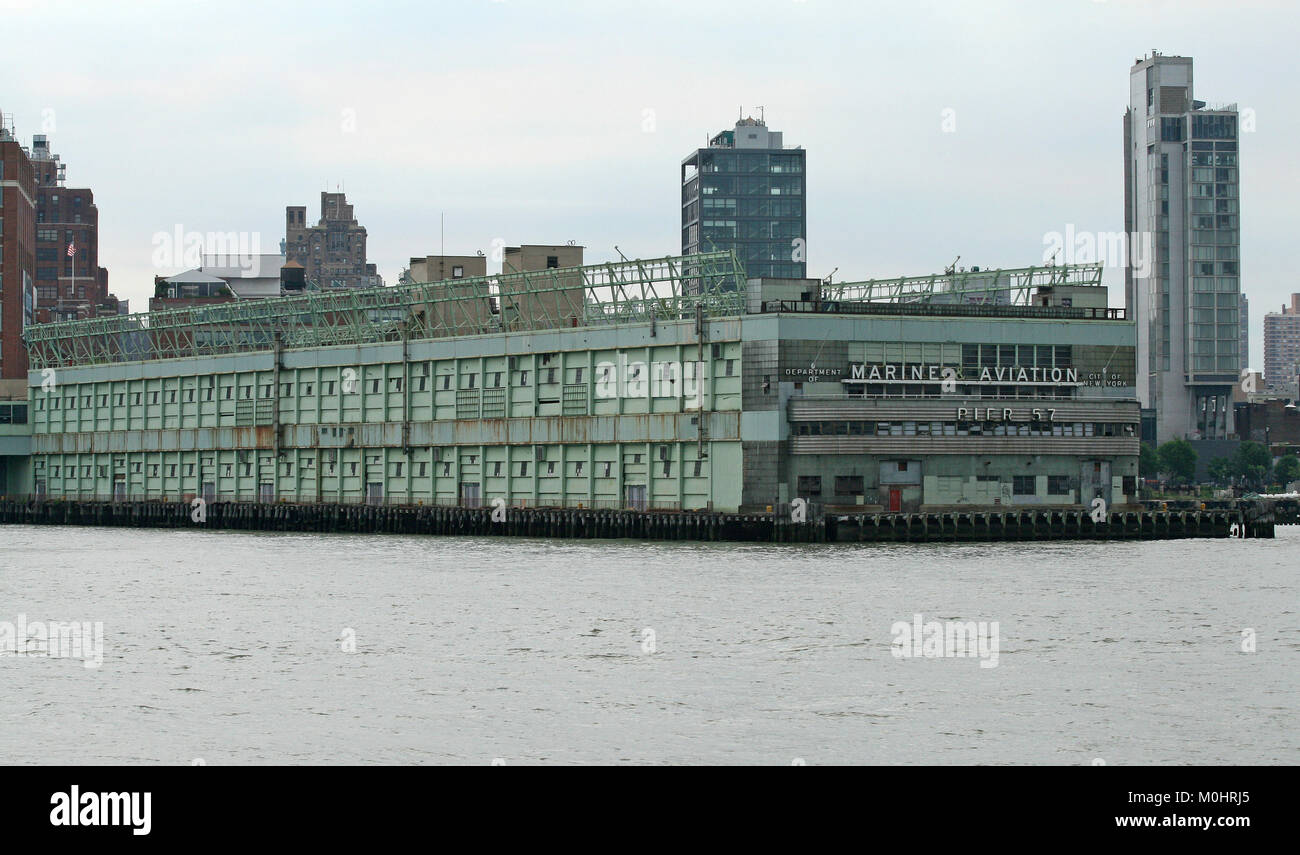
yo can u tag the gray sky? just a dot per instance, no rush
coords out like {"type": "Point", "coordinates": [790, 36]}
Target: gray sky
{"type": "Point", "coordinates": [542, 122]}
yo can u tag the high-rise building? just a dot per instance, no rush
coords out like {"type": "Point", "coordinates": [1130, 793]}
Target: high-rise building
{"type": "Point", "coordinates": [333, 251]}
{"type": "Point", "coordinates": [1181, 187]}
{"type": "Point", "coordinates": [17, 252]}
{"type": "Point", "coordinates": [1282, 344]}
{"type": "Point", "coordinates": [70, 284]}
{"type": "Point", "coordinates": [1244, 348]}
{"type": "Point", "coordinates": [746, 192]}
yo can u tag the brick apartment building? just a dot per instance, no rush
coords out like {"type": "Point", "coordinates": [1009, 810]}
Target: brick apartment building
{"type": "Point", "coordinates": [72, 286]}
{"type": "Point", "coordinates": [333, 250]}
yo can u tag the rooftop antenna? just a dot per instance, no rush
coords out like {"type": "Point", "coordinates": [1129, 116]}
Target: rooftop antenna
{"type": "Point", "coordinates": [762, 115]}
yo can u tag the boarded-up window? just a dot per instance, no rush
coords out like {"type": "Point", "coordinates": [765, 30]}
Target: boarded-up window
{"type": "Point", "coordinates": [848, 485]}
{"type": "Point", "coordinates": [810, 485]}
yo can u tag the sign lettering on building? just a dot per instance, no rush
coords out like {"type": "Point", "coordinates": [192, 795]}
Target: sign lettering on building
{"type": "Point", "coordinates": [1005, 414]}
{"type": "Point", "coordinates": [1009, 374]}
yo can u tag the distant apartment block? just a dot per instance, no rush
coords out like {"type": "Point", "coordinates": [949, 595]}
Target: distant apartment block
{"type": "Point", "coordinates": [746, 192]}
{"type": "Point", "coordinates": [332, 251]}
{"type": "Point", "coordinates": [1282, 344]}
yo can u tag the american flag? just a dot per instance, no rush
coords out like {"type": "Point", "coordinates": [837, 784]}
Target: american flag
{"type": "Point", "coordinates": [72, 249]}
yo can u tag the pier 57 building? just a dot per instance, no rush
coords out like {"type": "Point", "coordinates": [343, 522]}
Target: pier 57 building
{"type": "Point", "coordinates": [673, 383]}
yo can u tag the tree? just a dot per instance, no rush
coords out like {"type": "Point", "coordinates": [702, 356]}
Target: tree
{"type": "Point", "coordinates": [1221, 469]}
{"type": "Point", "coordinates": [1178, 460]}
{"type": "Point", "coordinates": [1287, 469]}
{"type": "Point", "coordinates": [1148, 462]}
{"type": "Point", "coordinates": [1252, 462]}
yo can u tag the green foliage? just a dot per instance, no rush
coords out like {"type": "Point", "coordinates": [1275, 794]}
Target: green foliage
{"type": "Point", "coordinates": [1252, 462]}
{"type": "Point", "coordinates": [1148, 462]}
{"type": "Point", "coordinates": [1178, 460]}
{"type": "Point", "coordinates": [1221, 469]}
{"type": "Point", "coordinates": [1287, 469]}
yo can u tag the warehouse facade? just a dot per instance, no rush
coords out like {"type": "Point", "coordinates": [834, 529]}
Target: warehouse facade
{"type": "Point", "coordinates": [729, 396]}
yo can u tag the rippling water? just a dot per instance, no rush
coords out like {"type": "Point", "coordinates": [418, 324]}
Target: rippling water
{"type": "Point", "coordinates": [227, 646]}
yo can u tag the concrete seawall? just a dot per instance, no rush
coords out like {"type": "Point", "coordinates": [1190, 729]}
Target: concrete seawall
{"type": "Point", "coordinates": [988, 525]}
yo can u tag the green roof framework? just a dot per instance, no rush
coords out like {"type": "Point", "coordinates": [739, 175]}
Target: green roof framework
{"type": "Point", "coordinates": [630, 291]}
{"type": "Point", "coordinates": [1013, 286]}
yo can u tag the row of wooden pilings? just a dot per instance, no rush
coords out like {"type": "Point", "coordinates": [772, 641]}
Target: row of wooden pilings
{"type": "Point", "coordinates": [645, 525]}
{"type": "Point", "coordinates": [1050, 525]}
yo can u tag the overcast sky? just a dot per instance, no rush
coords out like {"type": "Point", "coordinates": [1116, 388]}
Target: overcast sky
{"type": "Point", "coordinates": [550, 121]}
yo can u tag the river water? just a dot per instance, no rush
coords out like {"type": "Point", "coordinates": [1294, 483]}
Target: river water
{"type": "Point", "coordinates": [268, 648]}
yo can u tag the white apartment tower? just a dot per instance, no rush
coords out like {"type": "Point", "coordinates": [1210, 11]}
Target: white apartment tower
{"type": "Point", "coordinates": [1181, 186]}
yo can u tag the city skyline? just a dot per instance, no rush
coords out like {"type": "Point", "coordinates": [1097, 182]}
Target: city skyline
{"type": "Point", "coordinates": [902, 187]}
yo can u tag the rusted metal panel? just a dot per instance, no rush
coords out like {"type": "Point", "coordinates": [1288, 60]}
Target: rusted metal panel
{"type": "Point", "coordinates": [544, 430]}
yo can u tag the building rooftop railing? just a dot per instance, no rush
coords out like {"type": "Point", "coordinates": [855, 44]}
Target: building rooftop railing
{"type": "Point", "coordinates": [1014, 286]}
{"type": "Point", "coordinates": [633, 291]}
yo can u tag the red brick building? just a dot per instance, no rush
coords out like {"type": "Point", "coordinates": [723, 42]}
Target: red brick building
{"type": "Point", "coordinates": [68, 286]}
{"type": "Point", "coordinates": [17, 252]}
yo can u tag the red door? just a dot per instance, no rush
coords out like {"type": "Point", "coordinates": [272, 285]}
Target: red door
{"type": "Point", "coordinates": [895, 499]}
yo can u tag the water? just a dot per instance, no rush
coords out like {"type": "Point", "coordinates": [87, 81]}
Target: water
{"type": "Point", "coordinates": [226, 647]}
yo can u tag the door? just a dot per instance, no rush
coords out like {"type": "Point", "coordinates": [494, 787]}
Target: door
{"type": "Point", "coordinates": [635, 496]}
{"type": "Point", "coordinates": [119, 490]}
{"type": "Point", "coordinates": [209, 492]}
{"type": "Point", "coordinates": [374, 493]}
{"type": "Point", "coordinates": [1094, 482]}
{"type": "Point", "coordinates": [469, 494]}
{"type": "Point", "coordinates": [895, 500]}
{"type": "Point", "coordinates": [266, 493]}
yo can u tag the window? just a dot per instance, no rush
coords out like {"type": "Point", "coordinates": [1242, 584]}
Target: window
{"type": "Point", "coordinates": [552, 262]}
{"type": "Point", "coordinates": [810, 485]}
{"type": "Point", "coordinates": [523, 468]}
{"type": "Point", "coordinates": [848, 485]}
{"type": "Point", "coordinates": [1058, 485]}
{"type": "Point", "coordinates": [1023, 485]}
{"type": "Point", "coordinates": [457, 271]}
